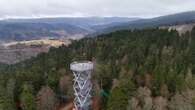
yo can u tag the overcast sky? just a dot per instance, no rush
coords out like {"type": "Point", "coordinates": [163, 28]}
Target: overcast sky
{"type": "Point", "coordinates": [130, 8]}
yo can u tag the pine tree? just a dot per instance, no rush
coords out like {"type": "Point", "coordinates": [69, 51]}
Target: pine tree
{"type": "Point", "coordinates": [117, 100]}
{"type": "Point", "coordinates": [7, 96]}
{"type": "Point", "coordinates": [27, 98]}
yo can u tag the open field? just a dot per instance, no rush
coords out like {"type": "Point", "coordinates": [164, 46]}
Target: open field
{"type": "Point", "coordinates": [14, 52]}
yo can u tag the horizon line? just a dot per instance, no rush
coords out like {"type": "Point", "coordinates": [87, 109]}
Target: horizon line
{"type": "Point", "coordinates": [89, 16]}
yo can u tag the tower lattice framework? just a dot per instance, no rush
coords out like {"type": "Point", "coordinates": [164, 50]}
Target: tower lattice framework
{"type": "Point", "coordinates": [82, 84]}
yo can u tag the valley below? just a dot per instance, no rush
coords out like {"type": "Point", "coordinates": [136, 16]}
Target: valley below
{"type": "Point", "coordinates": [16, 51]}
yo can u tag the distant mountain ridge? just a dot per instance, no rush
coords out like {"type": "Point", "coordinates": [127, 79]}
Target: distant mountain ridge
{"type": "Point", "coordinates": [168, 20]}
{"type": "Point", "coordinates": [27, 29]}
{"type": "Point", "coordinates": [78, 27]}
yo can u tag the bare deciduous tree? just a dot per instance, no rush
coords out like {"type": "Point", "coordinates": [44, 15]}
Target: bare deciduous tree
{"type": "Point", "coordinates": [46, 99]}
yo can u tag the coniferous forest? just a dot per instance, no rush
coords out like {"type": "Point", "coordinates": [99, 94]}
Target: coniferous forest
{"type": "Point", "coordinates": [149, 69]}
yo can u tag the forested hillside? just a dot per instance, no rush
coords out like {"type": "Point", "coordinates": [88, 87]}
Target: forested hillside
{"type": "Point", "coordinates": [148, 69]}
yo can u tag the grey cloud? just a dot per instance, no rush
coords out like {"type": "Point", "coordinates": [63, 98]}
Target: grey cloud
{"type": "Point", "coordinates": [140, 8]}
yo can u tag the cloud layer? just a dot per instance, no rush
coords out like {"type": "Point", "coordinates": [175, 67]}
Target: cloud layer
{"type": "Point", "coordinates": [49, 8]}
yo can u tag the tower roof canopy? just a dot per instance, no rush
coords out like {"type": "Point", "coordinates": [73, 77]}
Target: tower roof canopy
{"type": "Point", "coordinates": [81, 66]}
